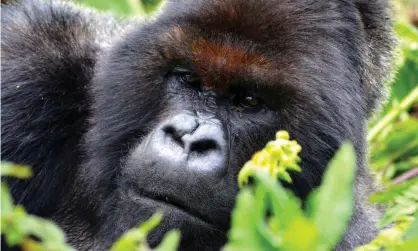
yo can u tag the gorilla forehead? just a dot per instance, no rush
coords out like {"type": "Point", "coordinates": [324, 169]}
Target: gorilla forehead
{"type": "Point", "coordinates": [273, 17]}
{"type": "Point", "coordinates": [285, 45]}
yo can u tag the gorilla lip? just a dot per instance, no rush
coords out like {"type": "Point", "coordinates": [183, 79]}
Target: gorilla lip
{"type": "Point", "coordinates": [172, 203]}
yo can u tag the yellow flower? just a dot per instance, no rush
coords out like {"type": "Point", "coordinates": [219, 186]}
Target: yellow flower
{"type": "Point", "coordinates": [276, 159]}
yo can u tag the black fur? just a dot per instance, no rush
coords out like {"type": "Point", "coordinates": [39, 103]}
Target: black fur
{"type": "Point", "coordinates": [84, 93]}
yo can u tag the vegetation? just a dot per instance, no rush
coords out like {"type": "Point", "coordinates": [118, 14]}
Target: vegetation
{"type": "Point", "coordinates": [277, 220]}
{"type": "Point", "coordinates": [20, 228]}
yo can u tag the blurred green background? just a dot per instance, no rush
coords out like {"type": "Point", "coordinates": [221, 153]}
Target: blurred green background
{"type": "Point", "coordinates": [124, 7]}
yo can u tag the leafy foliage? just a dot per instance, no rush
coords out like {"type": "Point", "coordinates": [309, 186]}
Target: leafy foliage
{"type": "Point", "coordinates": [135, 239]}
{"type": "Point", "coordinates": [276, 159]}
{"type": "Point", "coordinates": [393, 141]}
{"type": "Point", "coordinates": [124, 7]}
{"type": "Point", "coordinates": [269, 217]}
{"type": "Point", "coordinates": [274, 217]}
{"type": "Point", "coordinates": [31, 233]}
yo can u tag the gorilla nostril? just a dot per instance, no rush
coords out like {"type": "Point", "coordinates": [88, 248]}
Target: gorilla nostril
{"type": "Point", "coordinates": [203, 146]}
{"type": "Point", "coordinates": [169, 129]}
{"type": "Point", "coordinates": [171, 133]}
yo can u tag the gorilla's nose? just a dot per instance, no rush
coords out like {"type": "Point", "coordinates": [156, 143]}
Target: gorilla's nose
{"type": "Point", "coordinates": [200, 141]}
{"type": "Point", "coordinates": [179, 126]}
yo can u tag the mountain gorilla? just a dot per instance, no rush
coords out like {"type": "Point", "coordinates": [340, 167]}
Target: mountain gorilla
{"type": "Point", "coordinates": [119, 118]}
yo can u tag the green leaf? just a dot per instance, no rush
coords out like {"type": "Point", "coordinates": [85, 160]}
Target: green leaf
{"type": "Point", "coordinates": [121, 7]}
{"type": "Point", "coordinates": [45, 230]}
{"type": "Point", "coordinates": [135, 239]}
{"type": "Point", "coordinates": [124, 7]}
{"type": "Point", "coordinates": [248, 226]}
{"type": "Point", "coordinates": [170, 242]}
{"type": "Point", "coordinates": [268, 217]}
{"type": "Point", "coordinates": [151, 5]}
{"type": "Point", "coordinates": [332, 205]}
{"type": "Point", "coordinates": [410, 245]}
{"type": "Point", "coordinates": [12, 224]}
{"type": "Point", "coordinates": [412, 231]}
{"type": "Point", "coordinates": [406, 79]}
{"type": "Point", "coordinates": [16, 171]}
{"type": "Point", "coordinates": [301, 235]}
{"type": "Point", "coordinates": [6, 201]}
{"type": "Point", "coordinates": [393, 213]}
{"type": "Point", "coordinates": [407, 31]}
{"type": "Point", "coordinates": [401, 143]}
{"type": "Point", "coordinates": [391, 192]}
{"type": "Point", "coordinates": [284, 204]}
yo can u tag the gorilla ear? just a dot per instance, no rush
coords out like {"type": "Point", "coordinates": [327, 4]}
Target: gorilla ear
{"type": "Point", "coordinates": [377, 53]}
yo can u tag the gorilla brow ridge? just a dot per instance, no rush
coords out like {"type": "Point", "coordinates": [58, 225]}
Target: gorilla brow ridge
{"type": "Point", "coordinates": [218, 64]}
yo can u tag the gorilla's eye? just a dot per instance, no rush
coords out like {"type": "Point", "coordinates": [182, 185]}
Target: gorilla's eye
{"type": "Point", "coordinates": [247, 100]}
{"type": "Point", "coordinates": [190, 78]}
{"type": "Point", "coordinates": [187, 76]}
{"type": "Point", "coordinates": [251, 101]}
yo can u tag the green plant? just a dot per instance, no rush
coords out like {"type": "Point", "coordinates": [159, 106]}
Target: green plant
{"type": "Point", "coordinates": [32, 233]}
{"type": "Point", "coordinates": [393, 141]}
{"type": "Point", "coordinates": [18, 228]}
{"type": "Point", "coordinates": [136, 238]}
{"type": "Point", "coordinates": [269, 217]}
{"type": "Point", "coordinates": [275, 218]}
{"type": "Point", "coordinates": [124, 7]}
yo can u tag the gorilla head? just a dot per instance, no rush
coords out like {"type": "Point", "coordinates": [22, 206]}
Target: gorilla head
{"type": "Point", "coordinates": [176, 105]}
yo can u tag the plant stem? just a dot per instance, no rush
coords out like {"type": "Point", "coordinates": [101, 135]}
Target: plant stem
{"type": "Point", "coordinates": [393, 114]}
{"type": "Point", "coordinates": [408, 175]}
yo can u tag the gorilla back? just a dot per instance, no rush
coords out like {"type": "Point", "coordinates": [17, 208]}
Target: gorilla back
{"type": "Point", "coordinates": [121, 118]}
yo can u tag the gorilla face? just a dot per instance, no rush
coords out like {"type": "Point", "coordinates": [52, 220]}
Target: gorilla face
{"type": "Point", "coordinates": [183, 102]}
{"type": "Point", "coordinates": [184, 154]}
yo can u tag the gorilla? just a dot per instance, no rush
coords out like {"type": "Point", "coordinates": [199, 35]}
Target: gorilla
{"type": "Point", "coordinates": [121, 117]}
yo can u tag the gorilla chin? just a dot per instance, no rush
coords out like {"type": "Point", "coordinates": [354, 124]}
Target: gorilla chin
{"type": "Point", "coordinates": [197, 232]}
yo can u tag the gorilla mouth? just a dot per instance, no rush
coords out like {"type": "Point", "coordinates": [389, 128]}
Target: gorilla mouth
{"type": "Point", "coordinates": [174, 204]}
